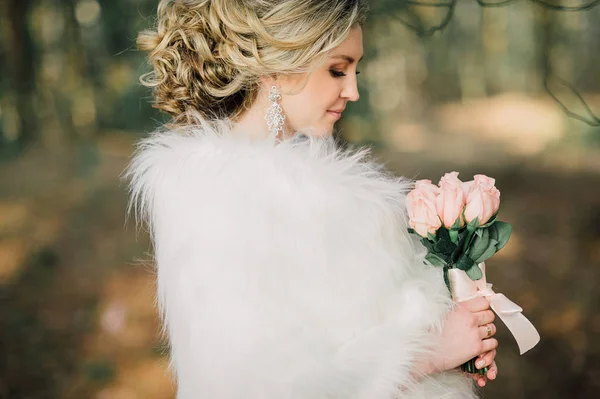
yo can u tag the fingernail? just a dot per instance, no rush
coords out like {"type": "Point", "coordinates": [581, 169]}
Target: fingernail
{"type": "Point", "coordinates": [480, 363]}
{"type": "Point", "coordinates": [491, 374]}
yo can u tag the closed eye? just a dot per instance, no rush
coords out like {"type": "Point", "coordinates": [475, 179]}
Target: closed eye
{"type": "Point", "coordinates": [339, 74]}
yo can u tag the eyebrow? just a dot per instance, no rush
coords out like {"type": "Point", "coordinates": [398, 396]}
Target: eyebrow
{"type": "Point", "coordinates": [346, 57]}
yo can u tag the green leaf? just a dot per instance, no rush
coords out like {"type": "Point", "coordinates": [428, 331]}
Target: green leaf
{"type": "Point", "coordinates": [489, 251]}
{"type": "Point", "coordinates": [465, 263]}
{"type": "Point", "coordinates": [435, 260]}
{"type": "Point", "coordinates": [474, 273]}
{"type": "Point", "coordinates": [504, 231]}
{"type": "Point", "coordinates": [480, 244]}
{"type": "Point", "coordinates": [431, 237]}
{"type": "Point", "coordinates": [443, 234]}
{"type": "Point", "coordinates": [462, 237]}
{"type": "Point", "coordinates": [462, 234]}
{"type": "Point", "coordinates": [473, 224]}
{"type": "Point", "coordinates": [427, 244]}
{"type": "Point", "coordinates": [457, 252]}
{"type": "Point", "coordinates": [445, 247]}
{"type": "Point", "coordinates": [446, 279]}
{"type": "Point", "coordinates": [456, 225]}
{"type": "Point", "coordinates": [453, 236]}
{"type": "Point", "coordinates": [465, 242]}
{"type": "Point", "coordinates": [493, 230]}
{"type": "Point", "coordinates": [446, 258]}
{"type": "Point", "coordinates": [411, 231]}
{"type": "Point", "coordinates": [491, 221]}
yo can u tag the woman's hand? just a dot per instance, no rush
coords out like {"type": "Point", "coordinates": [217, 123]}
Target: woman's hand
{"type": "Point", "coordinates": [464, 336]}
{"type": "Point", "coordinates": [486, 360]}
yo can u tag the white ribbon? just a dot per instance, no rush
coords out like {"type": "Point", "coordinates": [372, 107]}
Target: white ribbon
{"type": "Point", "coordinates": [463, 289]}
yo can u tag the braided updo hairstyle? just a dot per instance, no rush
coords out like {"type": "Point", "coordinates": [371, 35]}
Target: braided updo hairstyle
{"type": "Point", "coordinates": [207, 56]}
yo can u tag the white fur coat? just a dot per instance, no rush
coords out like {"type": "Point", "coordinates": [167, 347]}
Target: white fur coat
{"type": "Point", "coordinates": [285, 271]}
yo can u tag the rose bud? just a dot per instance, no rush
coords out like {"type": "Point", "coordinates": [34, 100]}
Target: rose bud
{"type": "Point", "coordinates": [420, 205]}
{"type": "Point", "coordinates": [451, 201]}
{"type": "Point", "coordinates": [483, 199]}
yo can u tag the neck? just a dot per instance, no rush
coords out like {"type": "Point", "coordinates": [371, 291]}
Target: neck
{"type": "Point", "coordinates": [252, 122]}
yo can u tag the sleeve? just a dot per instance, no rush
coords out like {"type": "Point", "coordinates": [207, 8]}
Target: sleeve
{"type": "Point", "coordinates": [244, 317]}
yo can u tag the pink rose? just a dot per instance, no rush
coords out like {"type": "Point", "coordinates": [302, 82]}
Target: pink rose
{"type": "Point", "coordinates": [483, 199]}
{"type": "Point", "coordinates": [420, 204]}
{"type": "Point", "coordinates": [426, 186]}
{"type": "Point", "coordinates": [451, 201]}
{"type": "Point", "coordinates": [467, 187]}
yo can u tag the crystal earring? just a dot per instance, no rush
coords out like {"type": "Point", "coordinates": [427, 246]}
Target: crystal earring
{"type": "Point", "coordinates": [275, 117]}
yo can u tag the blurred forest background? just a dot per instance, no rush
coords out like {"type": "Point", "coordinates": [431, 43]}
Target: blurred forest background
{"type": "Point", "coordinates": [453, 85]}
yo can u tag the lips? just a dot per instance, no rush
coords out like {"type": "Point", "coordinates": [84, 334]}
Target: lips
{"type": "Point", "coordinates": [335, 114]}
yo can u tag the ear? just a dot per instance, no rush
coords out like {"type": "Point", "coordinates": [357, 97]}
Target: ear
{"type": "Point", "coordinates": [287, 84]}
{"type": "Point", "coordinates": [265, 82]}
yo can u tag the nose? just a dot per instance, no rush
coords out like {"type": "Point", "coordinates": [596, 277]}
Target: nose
{"type": "Point", "coordinates": [350, 90]}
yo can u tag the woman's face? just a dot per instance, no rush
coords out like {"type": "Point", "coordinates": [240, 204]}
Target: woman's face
{"type": "Point", "coordinates": [314, 105]}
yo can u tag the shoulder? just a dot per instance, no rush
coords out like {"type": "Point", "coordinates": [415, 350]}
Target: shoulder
{"type": "Point", "coordinates": [208, 167]}
{"type": "Point", "coordinates": [190, 163]}
{"type": "Point", "coordinates": [207, 152]}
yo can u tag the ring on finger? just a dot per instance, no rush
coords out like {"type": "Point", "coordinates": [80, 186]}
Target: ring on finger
{"type": "Point", "coordinates": [489, 330]}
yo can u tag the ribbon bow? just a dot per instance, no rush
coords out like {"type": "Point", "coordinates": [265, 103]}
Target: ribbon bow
{"type": "Point", "coordinates": [463, 289]}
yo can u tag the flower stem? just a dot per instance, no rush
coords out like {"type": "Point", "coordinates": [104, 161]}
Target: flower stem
{"type": "Point", "coordinates": [468, 240]}
{"type": "Point", "coordinates": [469, 367]}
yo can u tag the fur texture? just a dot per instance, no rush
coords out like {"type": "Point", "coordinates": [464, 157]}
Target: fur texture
{"type": "Point", "coordinates": [285, 271]}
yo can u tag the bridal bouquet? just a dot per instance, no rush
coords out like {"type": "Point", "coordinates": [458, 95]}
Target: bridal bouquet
{"type": "Point", "coordinates": [457, 224]}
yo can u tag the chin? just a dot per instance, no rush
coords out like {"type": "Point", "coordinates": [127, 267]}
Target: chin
{"type": "Point", "coordinates": [317, 131]}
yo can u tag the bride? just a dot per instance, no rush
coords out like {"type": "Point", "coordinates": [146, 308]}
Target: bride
{"type": "Point", "coordinates": [284, 269]}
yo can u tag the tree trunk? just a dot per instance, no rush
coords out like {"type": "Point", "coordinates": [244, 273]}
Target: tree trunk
{"type": "Point", "coordinates": [21, 75]}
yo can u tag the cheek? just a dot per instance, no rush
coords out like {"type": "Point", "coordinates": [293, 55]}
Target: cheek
{"type": "Point", "coordinates": [327, 89]}
{"type": "Point", "coordinates": [323, 94]}
{"type": "Point", "coordinates": [305, 109]}
{"type": "Point", "coordinates": [297, 109]}
{"type": "Point", "coordinates": [309, 107]}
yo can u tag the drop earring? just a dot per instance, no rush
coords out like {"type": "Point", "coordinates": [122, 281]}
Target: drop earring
{"type": "Point", "coordinates": [275, 117]}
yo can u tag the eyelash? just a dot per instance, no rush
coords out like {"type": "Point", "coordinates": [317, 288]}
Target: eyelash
{"type": "Point", "coordinates": [338, 74]}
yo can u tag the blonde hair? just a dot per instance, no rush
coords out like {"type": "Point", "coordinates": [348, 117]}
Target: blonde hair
{"type": "Point", "coordinates": [207, 56]}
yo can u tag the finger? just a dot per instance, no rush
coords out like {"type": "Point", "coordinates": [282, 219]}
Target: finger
{"type": "Point", "coordinates": [489, 344]}
{"type": "Point", "coordinates": [476, 378]}
{"type": "Point", "coordinates": [481, 381]}
{"type": "Point", "coordinates": [493, 371]}
{"type": "Point", "coordinates": [476, 304]}
{"type": "Point", "coordinates": [486, 359]}
{"type": "Point", "coordinates": [487, 330]}
{"type": "Point", "coordinates": [485, 317]}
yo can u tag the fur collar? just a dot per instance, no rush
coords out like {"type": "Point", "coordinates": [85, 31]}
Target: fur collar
{"type": "Point", "coordinates": [285, 271]}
